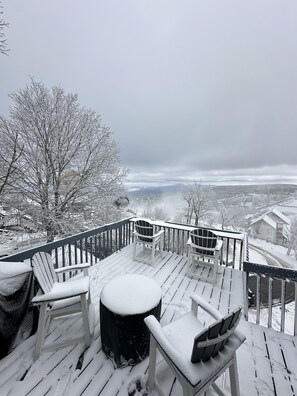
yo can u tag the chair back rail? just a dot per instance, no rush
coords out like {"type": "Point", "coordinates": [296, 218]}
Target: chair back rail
{"type": "Point", "coordinates": [213, 339]}
{"type": "Point", "coordinates": [44, 271]}
{"type": "Point", "coordinates": [204, 240]}
{"type": "Point", "coordinates": [144, 228]}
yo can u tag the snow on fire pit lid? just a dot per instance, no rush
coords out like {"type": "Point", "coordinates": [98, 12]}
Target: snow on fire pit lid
{"type": "Point", "coordinates": [131, 294]}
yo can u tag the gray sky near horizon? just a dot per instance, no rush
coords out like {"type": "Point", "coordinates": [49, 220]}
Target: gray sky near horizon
{"type": "Point", "coordinates": [203, 89]}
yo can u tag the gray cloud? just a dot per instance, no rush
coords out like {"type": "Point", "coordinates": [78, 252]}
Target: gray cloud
{"type": "Point", "coordinates": [191, 89]}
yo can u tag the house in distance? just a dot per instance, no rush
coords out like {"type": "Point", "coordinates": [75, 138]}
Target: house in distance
{"type": "Point", "coordinates": [273, 226]}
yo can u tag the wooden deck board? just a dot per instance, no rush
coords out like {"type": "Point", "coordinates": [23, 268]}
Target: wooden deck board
{"type": "Point", "coordinates": [266, 360]}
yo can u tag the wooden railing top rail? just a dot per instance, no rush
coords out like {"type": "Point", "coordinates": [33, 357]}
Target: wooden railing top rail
{"type": "Point", "coordinates": [273, 272]}
{"type": "Point", "coordinates": [27, 254]}
{"type": "Point", "coordinates": [271, 288]}
{"type": "Point", "coordinates": [185, 227]}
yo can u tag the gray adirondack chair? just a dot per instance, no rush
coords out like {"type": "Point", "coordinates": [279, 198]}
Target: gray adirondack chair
{"type": "Point", "coordinates": [204, 249]}
{"type": "Point", "coordinates": [60, 298]}
{"type": "Point", "coordinates": [198, 355]}
{"type": "Point", "coordinates": [146, 234]}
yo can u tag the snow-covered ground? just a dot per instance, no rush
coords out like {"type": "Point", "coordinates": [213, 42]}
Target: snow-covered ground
{"type": "Point", "coordinates": [12, 242]}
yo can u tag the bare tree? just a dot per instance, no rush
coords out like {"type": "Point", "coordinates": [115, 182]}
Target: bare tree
{"type": "Point", "coordinates": [292, 237]}
{"type": "Point", "coordinates": [69, 159]}
{"type": "Point", "coordinates": [156, 213]}
{"type": "Point", "coordinates": [10, 151]}
{"type": "Point", "coordinates": [229, 215]}
{"type": "Point", "coordinates": [3, 43]}
{"type": "Point", "coordinates": [198, 199]}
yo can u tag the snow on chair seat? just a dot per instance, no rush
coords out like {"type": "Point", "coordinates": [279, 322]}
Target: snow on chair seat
{"type": "Point", "coordinates": [61, 298]}
{"type": "Point", "coordinates": [197, 355]}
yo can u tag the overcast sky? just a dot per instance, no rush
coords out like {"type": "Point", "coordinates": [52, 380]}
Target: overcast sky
{"type": "Point", "coordinates": [203, 89]}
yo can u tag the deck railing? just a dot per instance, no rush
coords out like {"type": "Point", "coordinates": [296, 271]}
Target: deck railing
{"type": "Point", "coordinates": [93, 245]}
{"type": "Point", "coordinates": [269, 291]}
{"type": "Point", "coordinates": [96, 244]}
{"type": "Point", "coordinates": [176, 237]}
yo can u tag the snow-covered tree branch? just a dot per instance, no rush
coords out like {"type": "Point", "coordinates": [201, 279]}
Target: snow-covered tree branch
{"type": "Point", "coordinates": [69, 159]}
{"type": "Point", "coordinates": [3, 43]}
{"type": "Point", "coordinates": [198, 199]}
{"type": "Point", "coordinates": [10, 151]}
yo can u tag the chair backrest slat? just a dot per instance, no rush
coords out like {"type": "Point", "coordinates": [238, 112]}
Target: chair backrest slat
{"type": "Point", "coordinates": [219, 332]}
{"type": "Point", "coordinates": [44, 270]}
{"type": "Point", "coordinates": [205, 241]}
{"type": "Point", "coordinates": [144, 228]}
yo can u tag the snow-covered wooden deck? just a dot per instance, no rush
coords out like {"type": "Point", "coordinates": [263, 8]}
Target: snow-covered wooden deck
{"type": "Point", "coordinates": [267, 360]}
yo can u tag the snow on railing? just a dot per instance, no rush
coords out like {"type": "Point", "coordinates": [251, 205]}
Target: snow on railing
{"type": "Point", "coordinates": [96, 244]}
{"type": "Point", "coordinates": [176, 237]}
{"type": "Point", "coordinates": [92, 246]}
{"type": "Point", "coordinates": [271, 296]}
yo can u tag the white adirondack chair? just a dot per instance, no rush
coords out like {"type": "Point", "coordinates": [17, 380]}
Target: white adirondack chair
{"type": "Point", "coordinates": [146, 234]}
{"type": "Point", "coordinates": [60, 298]}
{"type": "Point", "coordinates": [197, 355]}
{"type": "Point", "coordinates": [206, 249]}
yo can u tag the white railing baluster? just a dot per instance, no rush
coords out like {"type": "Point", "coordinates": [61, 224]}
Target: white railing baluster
{"type": "Point", "coordinates": [258, 299]}
{"type": "Point", "coordinates": [283, 306]}
{"type": "Point", "coordinates": [270, 282]}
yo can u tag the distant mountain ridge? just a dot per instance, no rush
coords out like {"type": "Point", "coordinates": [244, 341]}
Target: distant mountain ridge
{"type": "Point", "coordinates": [223, 189]}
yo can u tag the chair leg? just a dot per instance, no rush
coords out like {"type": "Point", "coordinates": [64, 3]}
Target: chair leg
{"type": "Point", "coordinates": [215, 271]}
{"type": "Point", "coordinates": [161, 247]}
{"type": "Point", "coordinates": [234, 382]}
{"type": "Point", "coordinates": [152, 364]}
{"type": "Point", "coordinates": [40, 330]}
{"type": "Point", "coordinates": [187, 391]}
{"type": "Point", "coordinates": [153, 253]}
{"type": "Point", "coordinates": [218, 389]}
{"type": "Point", "coordinates": [85, 315]}
{"type": "Point", "coordinates": [89, 297]}
{"type": "Point", "coordinates": [134, 249]}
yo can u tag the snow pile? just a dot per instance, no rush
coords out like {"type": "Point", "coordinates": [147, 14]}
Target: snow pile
{"type": "Point", "coordinates": [12, 276]}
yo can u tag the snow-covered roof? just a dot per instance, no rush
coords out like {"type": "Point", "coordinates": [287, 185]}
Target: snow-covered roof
{"type": "Point", "coordinates": [281, 215]}
{"type": "Point", "coordinates": [257, 220]}
{"type": "Point", "coordinates": [269, 220]}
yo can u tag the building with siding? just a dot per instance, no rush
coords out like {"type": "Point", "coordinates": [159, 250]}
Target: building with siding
{"type": "Point", "coordinates": [273, 226]}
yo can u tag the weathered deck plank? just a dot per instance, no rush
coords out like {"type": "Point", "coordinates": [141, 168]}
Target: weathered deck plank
{"type": "Point", "coordinates": [266, 360]}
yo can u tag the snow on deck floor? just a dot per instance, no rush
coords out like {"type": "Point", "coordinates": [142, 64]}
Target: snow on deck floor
{"type": "Point", "coordinates": [266, 360]}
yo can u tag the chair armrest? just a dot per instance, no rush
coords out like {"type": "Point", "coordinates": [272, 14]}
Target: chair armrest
{"type": "Point", "coordinates": [219, 244]}
{"type": "Point", "coordinates": [82, 266]}
{"type": "Point", "coordinates": [158, 234]}
{"type": "Point", "coordinates": [198, 301]}
{"type": "Point", "coordinates": [149, 236]}
{"type": "Point", "coordinates": [156, 330]}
